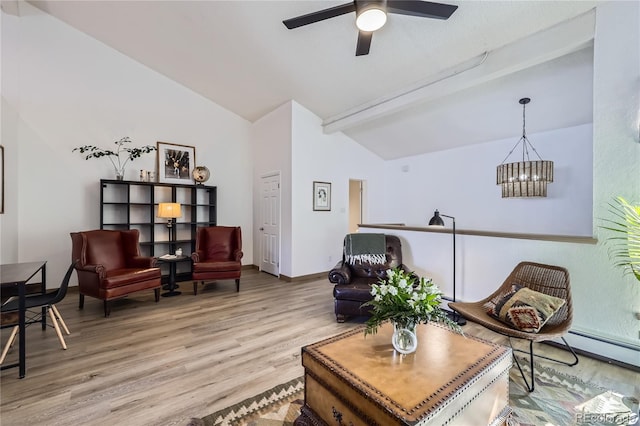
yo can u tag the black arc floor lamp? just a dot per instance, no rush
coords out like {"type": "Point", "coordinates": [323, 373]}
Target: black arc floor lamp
{"type": "Point", "coordinates": [436, 220]}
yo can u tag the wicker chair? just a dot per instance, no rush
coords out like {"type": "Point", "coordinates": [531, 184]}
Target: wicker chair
{"type": "Point", "coordinates": [547, 279]}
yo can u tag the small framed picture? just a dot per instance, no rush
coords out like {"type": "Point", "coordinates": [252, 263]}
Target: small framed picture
{"type": "Point", "coordinates": [322, 196]}
{"type": "Point", "coordinates": [175, 163]}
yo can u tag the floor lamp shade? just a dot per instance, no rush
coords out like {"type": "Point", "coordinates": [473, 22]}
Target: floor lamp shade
{"type": "Point", "coordinates": [436, 220]}
{"type": "Point", "coordinates": [170, 211]}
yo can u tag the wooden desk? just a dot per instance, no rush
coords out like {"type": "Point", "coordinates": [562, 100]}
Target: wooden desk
{"type": "Point", "coordinates": [450, 379]}
{"type": "Point", "coordinates": [18, 275]}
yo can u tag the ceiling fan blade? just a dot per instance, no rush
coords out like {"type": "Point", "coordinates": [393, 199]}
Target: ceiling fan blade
{"type": "Point", "coordinates": [364, 43]}
{"type": "Point", "coordinates": [425, 9]}
{"type": "Point", "coordinates": [320, 15]}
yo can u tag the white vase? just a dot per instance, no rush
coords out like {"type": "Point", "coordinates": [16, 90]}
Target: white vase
{"type": "Point", "coordinates": [404, 340]}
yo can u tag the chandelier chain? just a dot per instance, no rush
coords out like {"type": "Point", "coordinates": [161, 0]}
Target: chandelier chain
{"type": "Point", "coordinates": [524, 132]}
{"type": "Point", "coordinates": [524, 140]}
{"type": "Point", "coordinates": [524, 121]}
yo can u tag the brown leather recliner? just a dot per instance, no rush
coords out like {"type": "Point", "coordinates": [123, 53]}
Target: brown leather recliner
{"type": "Point", "coordinates": [353, 281]}
{"type": "Point", "coordinates": [110, 266]}
{"type": "Point", "coordinates": [218, 254]}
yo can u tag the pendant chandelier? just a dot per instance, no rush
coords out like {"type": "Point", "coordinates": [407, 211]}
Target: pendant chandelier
{"type": "Point", "coordinates": [524, 178]}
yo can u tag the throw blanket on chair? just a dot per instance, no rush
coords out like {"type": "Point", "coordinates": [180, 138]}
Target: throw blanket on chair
{"type": "Point", "coordinates": [369, 248]}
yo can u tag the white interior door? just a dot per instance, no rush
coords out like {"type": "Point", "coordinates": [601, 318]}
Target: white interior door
{"type": "Point", "coordinates": [270, 224]}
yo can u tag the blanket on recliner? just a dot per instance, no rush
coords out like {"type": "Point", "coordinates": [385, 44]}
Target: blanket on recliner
{"type": "Point", "coordinates": [369, 248]}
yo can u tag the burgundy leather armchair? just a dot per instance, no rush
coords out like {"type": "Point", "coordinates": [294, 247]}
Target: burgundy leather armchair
{"type": "Point", "coordinates": [110, 266]}
{"type": "Point", "coordinates": [218, 254]}
{"type": "Point", "coordinates": [353, 280]}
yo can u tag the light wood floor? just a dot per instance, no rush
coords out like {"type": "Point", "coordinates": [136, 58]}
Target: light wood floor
{"type": "Point", "coordinates": [188, 356]}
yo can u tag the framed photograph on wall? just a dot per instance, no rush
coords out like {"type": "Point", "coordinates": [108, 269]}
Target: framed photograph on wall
{"type": "Point", "coordinates": [1, 179]}
{"type": "Point", "coordinates": [321, 196]}
{"type": "Point", "coordinates": [175, 163]}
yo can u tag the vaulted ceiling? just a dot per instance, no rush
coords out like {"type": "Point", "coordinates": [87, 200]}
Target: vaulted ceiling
{"type": "Point", "coordinates": [426, 85]}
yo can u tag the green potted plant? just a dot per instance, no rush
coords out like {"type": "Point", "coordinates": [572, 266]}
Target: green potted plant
{"type": "Point", "coordinates": [625, 242]}
{"type": "Point", "coordinates": [406, 301]}
{"type": "Point", "coordinates": [119, 158]}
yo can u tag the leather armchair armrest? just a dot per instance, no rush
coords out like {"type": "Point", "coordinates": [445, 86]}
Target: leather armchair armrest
{"type": "Point", "coordinates": [197, 256]}
{"type": "Point", "coordinates": [94, 269]}
{"type": "Point", "coordinates": [143, 262]}
{"type": "Point", "coordinates": [340, 274]}
{"type": "Point", "coordinates": [237, 255]}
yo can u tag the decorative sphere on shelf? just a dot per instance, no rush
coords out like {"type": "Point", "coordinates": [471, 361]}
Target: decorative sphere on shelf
{"type": "Point", "coordinates": [201, 174]}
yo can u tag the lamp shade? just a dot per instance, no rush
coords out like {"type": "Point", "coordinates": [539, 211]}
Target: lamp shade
{"type": "Point", "coordinates": [436, 220]}
{"type": "Point", "coordinates": [169, 210]}
{"type": "Point", "coordinates": [525, 178]}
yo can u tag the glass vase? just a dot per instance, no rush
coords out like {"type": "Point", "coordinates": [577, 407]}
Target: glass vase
{"type": "Point", "coordinates": [405, 338]}
{"type": "Point", "coordinates": [119, 173]}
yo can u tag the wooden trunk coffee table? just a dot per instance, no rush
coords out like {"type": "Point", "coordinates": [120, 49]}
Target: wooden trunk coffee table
{"type": "Point", "coordinates": [449, 380]}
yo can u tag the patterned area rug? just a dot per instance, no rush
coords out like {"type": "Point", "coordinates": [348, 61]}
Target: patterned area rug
{"type": "Point", "coordinates": [557, 401]}
{"type": "Point", "coordinates": [277, 406]}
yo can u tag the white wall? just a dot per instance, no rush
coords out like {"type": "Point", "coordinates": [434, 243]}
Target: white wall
{"type": "Point", "coordinates": [467, 190]}
{"type": "Point", "coordinates": [68, 90]}
{"type": "Point", "coordinates": [9, 220]}
{"type": "Point", "coordinates": [334, 158]}
{"type": "Point", "coordinates": [290, 140]}
{"type": "Point", "coordinates": [461, 182]}
{"type": "Point", "coordinates": [9, 116]}
{"type": "Point", "coordinates": [271, 152]}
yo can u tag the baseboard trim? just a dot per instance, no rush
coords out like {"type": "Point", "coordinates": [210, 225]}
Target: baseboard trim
{"type": "Point", "coordinates": [601, 350]}
{"type": "Point", "coordinates": [298, 279]}
{"type": "Point", "coordinates": [304, 278]}
{"type": "Point", "coordinates": [597, 357]}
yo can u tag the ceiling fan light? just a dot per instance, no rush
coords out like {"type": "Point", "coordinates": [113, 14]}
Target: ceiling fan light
{"type": "Point", "coordinates": [371, 19]}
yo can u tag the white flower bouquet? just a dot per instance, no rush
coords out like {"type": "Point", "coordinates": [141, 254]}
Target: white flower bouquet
{"type": "Point", "coordinates": [406, 300]}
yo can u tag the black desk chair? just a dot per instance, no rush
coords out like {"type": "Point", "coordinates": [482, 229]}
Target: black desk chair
{"type": "Point", "coordinates": [32, 301]}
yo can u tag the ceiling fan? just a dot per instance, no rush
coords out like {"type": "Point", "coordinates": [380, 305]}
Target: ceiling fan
{"type": "Point", "coordinates": [371, 15]}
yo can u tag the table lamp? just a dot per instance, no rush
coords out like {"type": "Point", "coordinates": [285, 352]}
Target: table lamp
{"type": "Point", "coordinates": [170, 211]}
{"type": "Point", "coordinates": [436, 220]}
